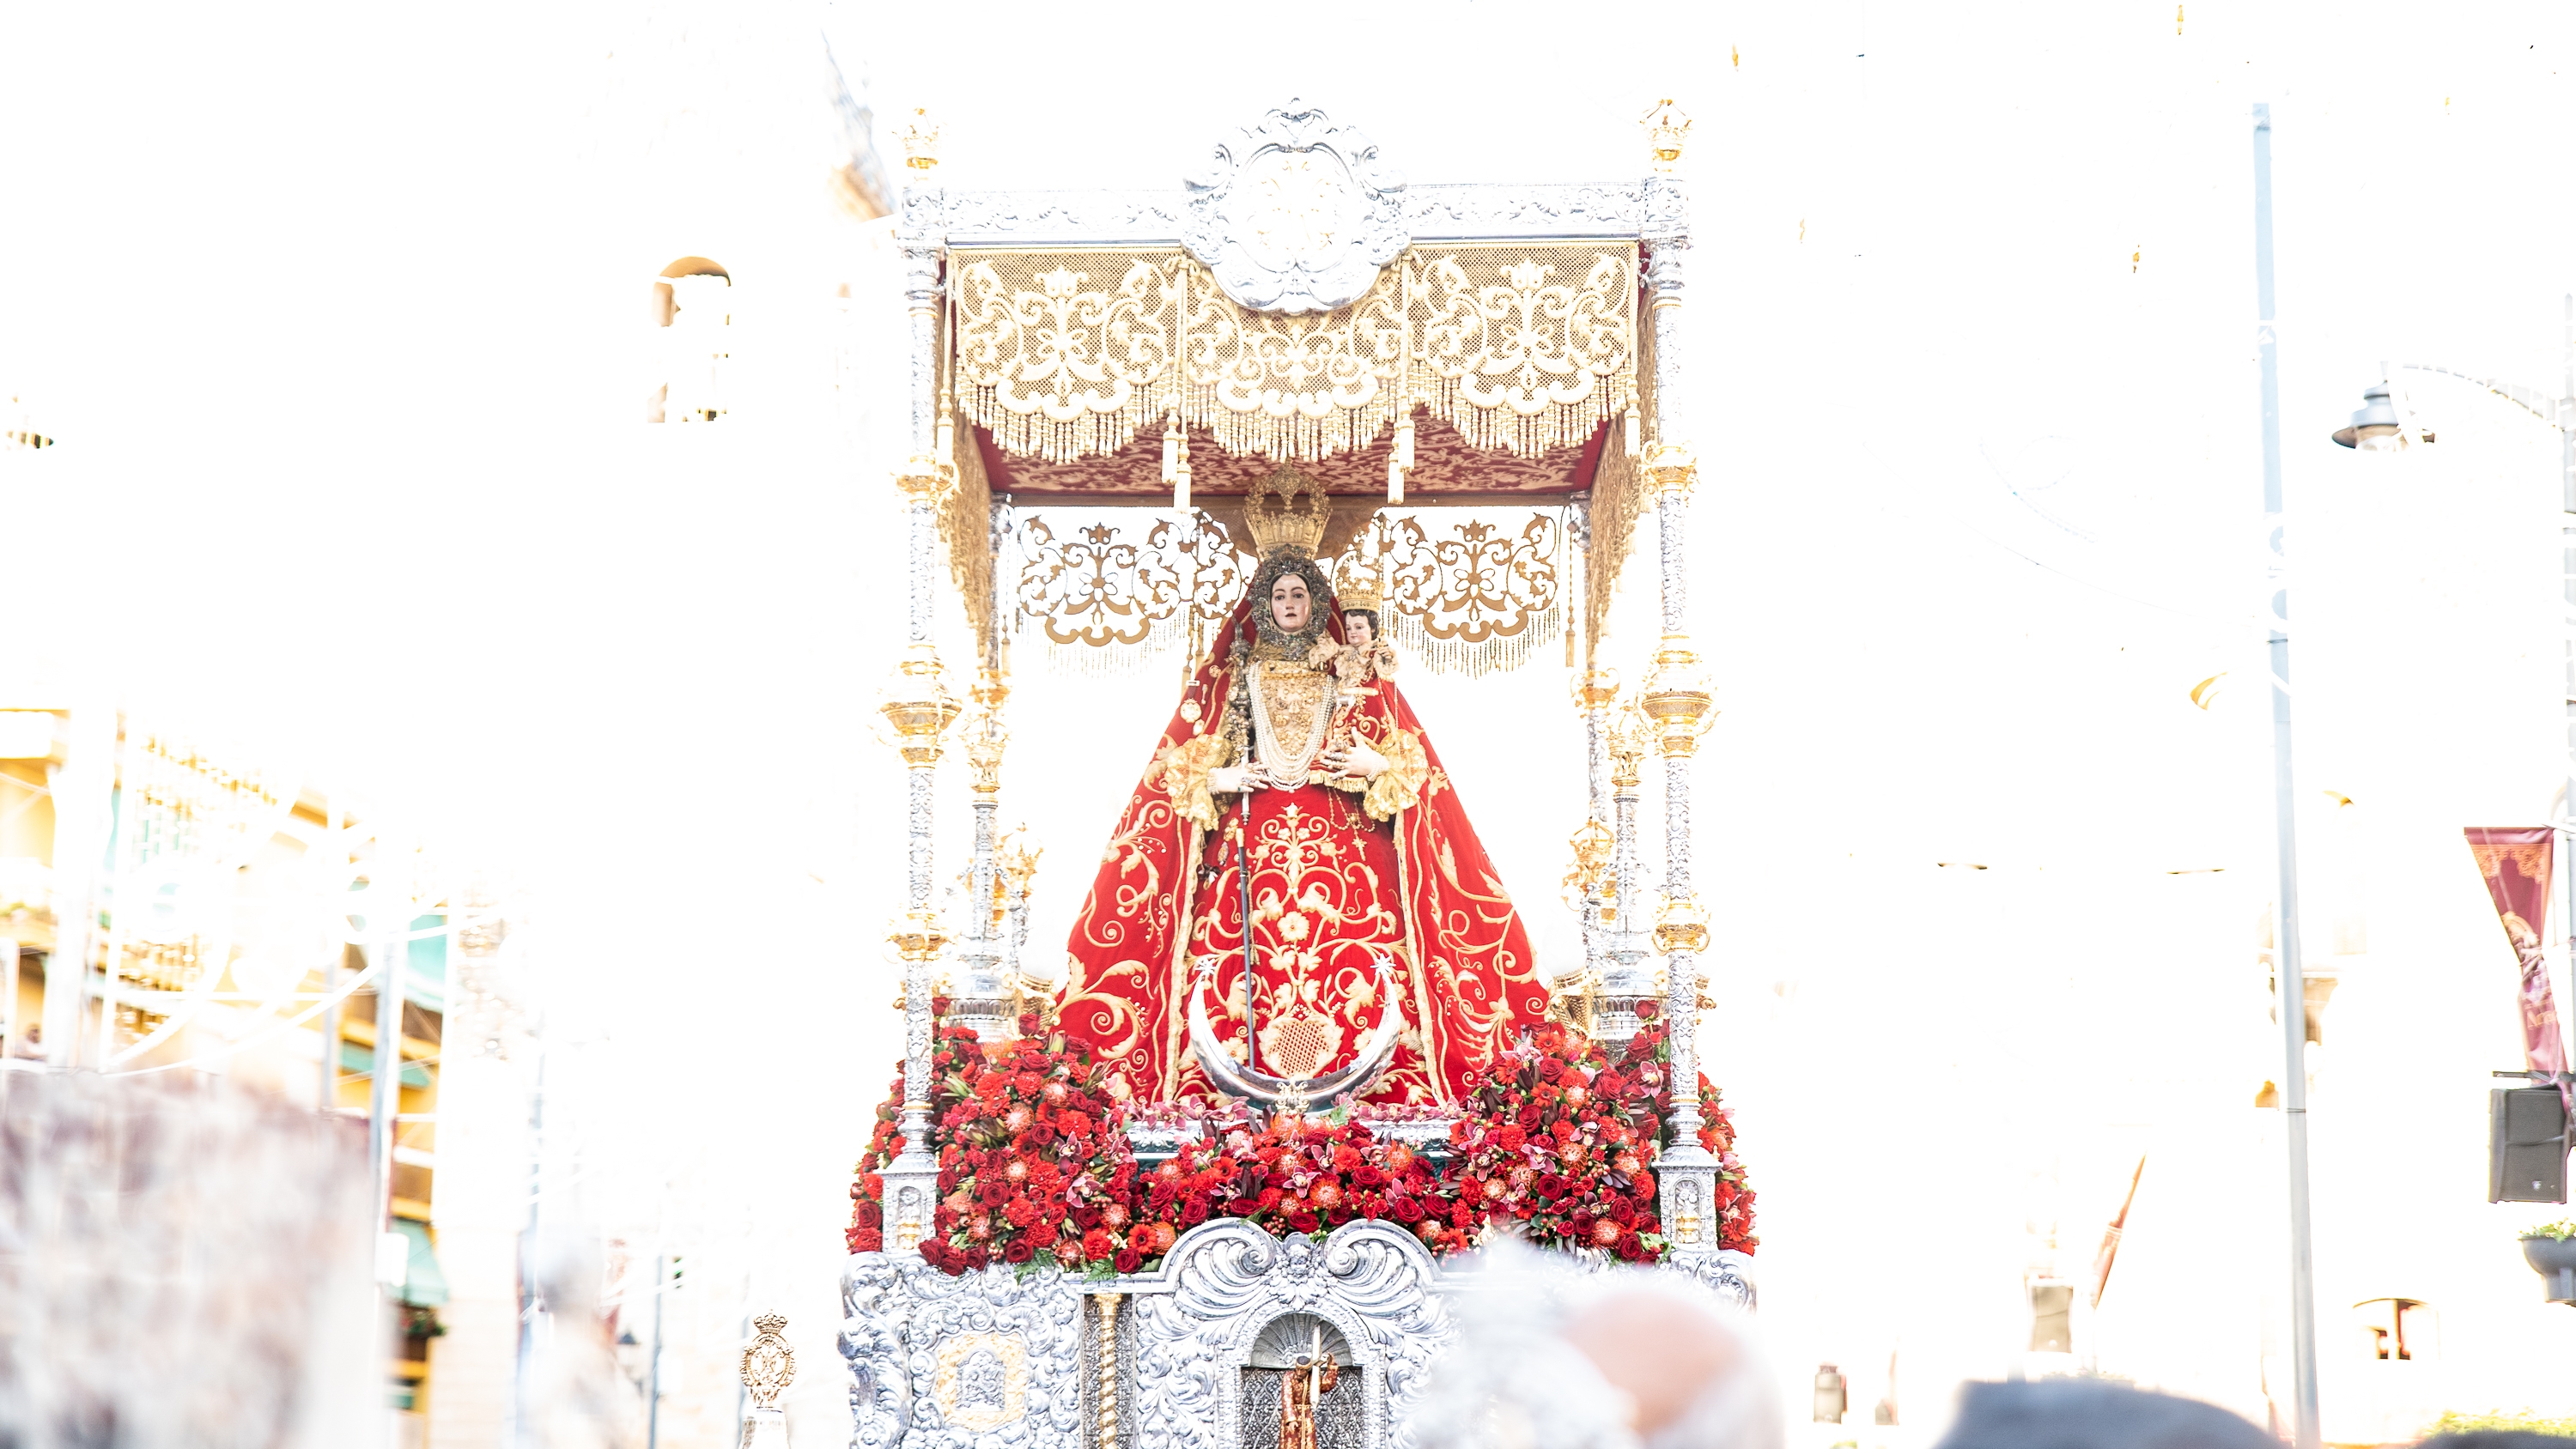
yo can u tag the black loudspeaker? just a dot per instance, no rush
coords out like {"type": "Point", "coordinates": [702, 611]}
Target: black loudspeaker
{"type": "Point", "coordinates": [2526, 1145]}
{"type": "Point", "coordinates": [2052, 1309]}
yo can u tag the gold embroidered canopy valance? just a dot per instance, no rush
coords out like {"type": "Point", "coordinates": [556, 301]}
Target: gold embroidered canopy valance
{"type": "Point", "coordinates": [1070, 354]}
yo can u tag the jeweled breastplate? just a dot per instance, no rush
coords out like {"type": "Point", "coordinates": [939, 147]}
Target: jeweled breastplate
{"type": "Point", "coordinates": [1291, 706]}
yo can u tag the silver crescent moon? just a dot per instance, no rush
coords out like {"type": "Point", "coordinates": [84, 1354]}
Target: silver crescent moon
{"type": "Point", "coordinates": [1279, 1093]}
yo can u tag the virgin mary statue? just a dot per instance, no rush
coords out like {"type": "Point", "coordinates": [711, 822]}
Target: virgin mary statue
{"type": "Point", "coordinates": [1294, 787]}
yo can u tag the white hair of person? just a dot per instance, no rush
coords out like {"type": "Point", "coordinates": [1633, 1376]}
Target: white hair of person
{"type": "Point", "coordinates": [1514, 1379]}
{"type": "Point", "coordinates": [1739, 1406]}
{"type": "Point", "coordinates": [1510, 1379]}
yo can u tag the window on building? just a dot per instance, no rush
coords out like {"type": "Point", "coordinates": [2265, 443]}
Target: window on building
{"type": "Point", "coordinates": [693, 307]}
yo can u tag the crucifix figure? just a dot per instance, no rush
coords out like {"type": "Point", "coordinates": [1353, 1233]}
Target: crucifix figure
{"type": "Point", "coordinates": [1311, 1377]}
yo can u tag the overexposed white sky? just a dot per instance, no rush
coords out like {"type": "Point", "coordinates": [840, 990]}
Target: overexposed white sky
{"type": "Point", "coordinates": [336, 315]}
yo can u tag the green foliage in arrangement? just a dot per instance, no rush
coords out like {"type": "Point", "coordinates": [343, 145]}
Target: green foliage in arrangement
{"type": "Point", "coordinates": [2456, 1422]}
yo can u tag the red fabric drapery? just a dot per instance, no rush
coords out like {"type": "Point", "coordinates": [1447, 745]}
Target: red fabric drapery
{"type": "Point", "coordinates": [1331, 888]}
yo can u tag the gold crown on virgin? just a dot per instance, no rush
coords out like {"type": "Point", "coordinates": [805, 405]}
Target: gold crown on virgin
{"type": "Point", "coordinates": [1279, 520]}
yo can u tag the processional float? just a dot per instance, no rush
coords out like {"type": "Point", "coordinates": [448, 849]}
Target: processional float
{"type": "Point", "coordinates": [1298, 311]}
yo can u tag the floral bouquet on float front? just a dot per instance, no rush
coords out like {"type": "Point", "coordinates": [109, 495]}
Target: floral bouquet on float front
{"type": "Point", "coordinates": [1649, 1056]}
{"type": "Point", "coordinates": [1561, 1141]}
{"type": "Point", "coordinates": [1294, 1175]}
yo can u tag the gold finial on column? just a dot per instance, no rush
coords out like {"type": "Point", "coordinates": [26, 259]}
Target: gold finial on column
{"type": "Point", "coordinates": [916, 702]}
{"type": "Point", "coordinates": [916, 935]}
{"type": "Point", "coordinates": [1667, 125]}
{"type": "Point", "coordinates": [1631, 735]}
{"type": "Point", "coordinates": [1671, 468]}
{"type": "Point", "coordinates": [1683, 926]}
{"type": "Point", "coordinates": [1595, 689]}
{"type": "Point", "coordinates": [1676, 697]}
{"type": "Point", "coordinates": [921, 141]}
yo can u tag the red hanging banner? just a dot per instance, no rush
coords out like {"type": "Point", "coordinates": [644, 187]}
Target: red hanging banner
{"type": "Point", "coordinates": [2515, 862]}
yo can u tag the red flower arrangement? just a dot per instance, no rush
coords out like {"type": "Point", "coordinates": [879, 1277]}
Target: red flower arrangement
{"type": "Point", "coordinates": [1299, 1176]}
{"type": "Point", "coordinates": [1650, 1053]}
{"type": "Point", "coordinates": [1035, 1162]}
{"type": "Point", "coordinates": [1562, 1140]}
{"type": "Point", "coordinates": [1031, 1162]}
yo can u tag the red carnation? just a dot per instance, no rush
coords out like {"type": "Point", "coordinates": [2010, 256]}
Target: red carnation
{"type": "Point", "coordinates": [1096, 1243]}
{"type": "Point", "coordinates": [866, 1240]}
{"type": "Point", "coordinates": [1510, 1138]}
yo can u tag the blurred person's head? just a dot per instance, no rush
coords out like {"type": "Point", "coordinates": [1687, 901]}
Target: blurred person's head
{"type": "Point", "coordinates": [2495, 1439]}
{"type": "Point", "coordinates": [2092, 1414]}
{"type": "Point", "coordinates": [1684, 1359]}
{"type": "Point", "coordinates": [1550, 1357]}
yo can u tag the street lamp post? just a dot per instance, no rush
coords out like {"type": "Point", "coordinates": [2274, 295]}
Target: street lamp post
{"type": "Point", "coordinates": [2379, 427]}
{"type": "Point", "coordinates": [2291, 993]}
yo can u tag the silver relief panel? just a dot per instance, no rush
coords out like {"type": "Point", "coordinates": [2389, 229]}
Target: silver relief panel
{"type": "Point", "coordinates": [1295, 214]}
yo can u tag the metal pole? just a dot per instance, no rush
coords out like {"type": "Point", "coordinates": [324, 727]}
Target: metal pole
{"type": "Point", "coordinates": [522, 1433]}
{"type": "Point", "coordinates": [9, 966]}
{"type": "Point", "coordinates": [653, 1372]}
{"type": "Point", "coordinates": [2292, 990]}
{"type": "Point", "coordinates": [384, 1096]}
{"type": "Point", "coordinates": [328, 1096]}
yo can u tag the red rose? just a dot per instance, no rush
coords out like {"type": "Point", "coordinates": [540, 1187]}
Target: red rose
{"type": "Point", "coordinates": [1028, 1023]}
{"type": "Point", "coordinates": [1129, 1260]}
{"type": "Point", "coordinates": [1649, 1010]}
{"type": "Point", "coordinates": [1301, 1222]}
{"type": "Point", "coordinates": [1020, 1251]}
{"type": "Point", "coordinates": [1406, 1209]}
{"type": "Point", "coordinates": [869, 1215]}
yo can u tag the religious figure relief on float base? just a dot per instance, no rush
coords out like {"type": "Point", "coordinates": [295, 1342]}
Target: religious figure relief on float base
{"type": "Point", "coordinates": [1312, 1376]}
{"type": "Point", "coordinates": [1293, 791]}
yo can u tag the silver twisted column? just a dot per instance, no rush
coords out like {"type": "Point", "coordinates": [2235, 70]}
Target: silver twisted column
{"type": "Point", "coordinates": [918, 706]}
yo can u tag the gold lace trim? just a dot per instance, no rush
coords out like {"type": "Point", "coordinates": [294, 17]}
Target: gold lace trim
{"type": "Point", "coordinates": [1065, 355]}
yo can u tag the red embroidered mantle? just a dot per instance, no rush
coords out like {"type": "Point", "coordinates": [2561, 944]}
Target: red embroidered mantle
{"type": "Point", "coordinates": [1331, 887]}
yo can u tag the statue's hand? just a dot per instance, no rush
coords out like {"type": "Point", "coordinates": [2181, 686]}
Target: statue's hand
{"type": "Point", "coordinates": [1234, 779]}
{"type": "Point", "coordinates": [1363, 761]}
{"type": "Point", "coordinates": [1336, 759]}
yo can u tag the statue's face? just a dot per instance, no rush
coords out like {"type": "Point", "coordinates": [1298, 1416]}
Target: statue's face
{"type": "Point", "coordinates": [1290, 605]}
{"type": "Point", "coordinates": [1356, 630]}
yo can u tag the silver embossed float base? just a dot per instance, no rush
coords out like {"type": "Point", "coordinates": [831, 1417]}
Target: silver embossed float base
{"type": "Point", "coordinates": [994, 1360]}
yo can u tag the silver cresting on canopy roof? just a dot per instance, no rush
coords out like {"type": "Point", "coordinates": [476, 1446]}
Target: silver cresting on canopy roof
{"type": "Point", "coordinates": [1484, 384]}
